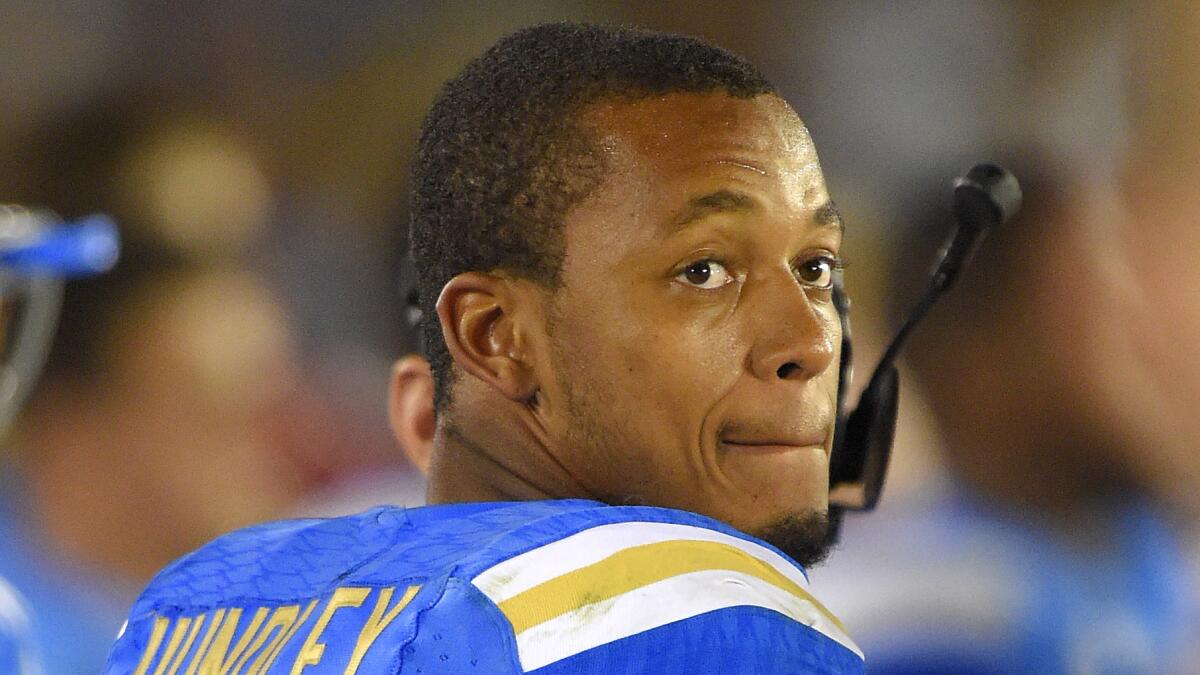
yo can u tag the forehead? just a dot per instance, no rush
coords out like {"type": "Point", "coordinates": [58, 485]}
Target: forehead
{"type": "Point", "coordinates": [680, 125]}
{"type": "Point", "coordinates": [683, 141]}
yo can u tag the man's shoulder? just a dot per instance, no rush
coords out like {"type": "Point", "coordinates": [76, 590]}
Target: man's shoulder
{"type": "Point", "coordinates": [652, 579]}
{"type": "Point", "coordinates": [531, 585]}
{"type": "Point", "coordinates": [287, 559]}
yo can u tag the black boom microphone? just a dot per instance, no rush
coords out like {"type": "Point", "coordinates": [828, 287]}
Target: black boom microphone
{"type": "Point", "coordinates": [987, 196]}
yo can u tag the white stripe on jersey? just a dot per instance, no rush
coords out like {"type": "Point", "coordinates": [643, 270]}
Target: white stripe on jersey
{"type": "Point", "coordinates": [658, 604]}
{"type": "Point", "coordinates": [581, 549]}
{"type": "Point", "coordinates": [542, 640]}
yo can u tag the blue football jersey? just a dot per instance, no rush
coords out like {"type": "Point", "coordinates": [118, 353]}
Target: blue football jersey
{"type": "Point", "coordinates": [549, 587]}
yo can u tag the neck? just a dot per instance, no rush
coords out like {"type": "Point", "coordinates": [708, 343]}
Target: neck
{"type": "Point", "coordinates": [496, 457]}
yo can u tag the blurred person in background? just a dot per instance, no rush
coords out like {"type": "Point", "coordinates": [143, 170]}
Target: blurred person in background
{"type": "Point", "coordinates": [1060, 533]}
{"type": "Point", "coordinates": [37, 253]}
{"type": "Point", "coordinates": [1159, 235]}
{"type": "Point", "coordinates": [1053, 546]}
{"type": "Point", "coordinates": [174, 405]}
{"type": "Point", "coordinates": [151, 432]}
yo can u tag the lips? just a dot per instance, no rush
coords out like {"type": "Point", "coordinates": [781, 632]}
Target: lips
{"type": "Point", "coordinates": [766, 435]}
{"type": "Point", "coordinates": [768, 447]}
{"type": "Point", "coordinates": [767, 428]}
{"type": "Point", "coordinates": [765, 449]}
{"type": "Point", "coordinates": [773, 443]}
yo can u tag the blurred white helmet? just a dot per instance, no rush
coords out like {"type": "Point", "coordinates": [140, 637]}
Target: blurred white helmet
{"type": "Point", "coordinates": [38, 252]}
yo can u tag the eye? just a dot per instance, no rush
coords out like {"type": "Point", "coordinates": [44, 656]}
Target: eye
{"type": "Point", "coordinates": [818, 272]}
{"type": "Point", "coordinates": [705, 274]}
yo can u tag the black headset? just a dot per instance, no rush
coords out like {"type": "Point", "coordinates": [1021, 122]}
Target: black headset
{"type": "Point", "coordinates": [986, 196]}
{"type": "Point", "coordinates": [983, 198]}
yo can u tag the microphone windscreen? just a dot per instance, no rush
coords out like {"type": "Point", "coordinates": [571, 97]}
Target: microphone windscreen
{"type": "Point", "coordinates": [986, 196]}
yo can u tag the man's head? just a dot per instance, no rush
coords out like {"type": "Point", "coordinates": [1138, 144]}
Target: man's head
{"type": "Point", "coordinates": [629, 248]}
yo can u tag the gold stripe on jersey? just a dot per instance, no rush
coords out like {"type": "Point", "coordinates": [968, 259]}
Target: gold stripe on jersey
{"type": "Point", "coordinates": [636, 567]}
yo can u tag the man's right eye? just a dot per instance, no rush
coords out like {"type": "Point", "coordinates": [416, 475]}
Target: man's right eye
{"type": "Point", "coordinates": [705, 274]}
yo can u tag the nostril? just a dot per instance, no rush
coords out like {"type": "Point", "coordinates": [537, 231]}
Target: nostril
{"type": "Point", "coordinates": [785, 371]}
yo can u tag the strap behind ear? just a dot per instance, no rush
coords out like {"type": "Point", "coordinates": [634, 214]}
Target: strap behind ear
{"type": "Point", "coordinates": [859, 463]}
{"type": "Point", "coordinates": [841, 302]}
{"type": "Point", "coordinates": [863, 438]}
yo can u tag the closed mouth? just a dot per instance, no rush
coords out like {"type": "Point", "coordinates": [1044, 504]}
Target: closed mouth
{"type": "Point", "coordinates": [768, 447]}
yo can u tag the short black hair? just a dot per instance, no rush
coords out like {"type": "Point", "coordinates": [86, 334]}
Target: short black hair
{"type": "Point", "coordinates": [502, 155]}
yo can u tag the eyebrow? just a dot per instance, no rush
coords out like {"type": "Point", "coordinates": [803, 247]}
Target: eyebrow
{"type": "Point", "coordinates": [732, 201]}
{"type": "Point", "coordinates": [828, 215]}
{"type": "Point", "coordinates": [721, 201]}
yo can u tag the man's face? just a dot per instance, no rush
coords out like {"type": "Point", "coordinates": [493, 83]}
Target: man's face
{"type": "Point", "coordinates": [694, 340]}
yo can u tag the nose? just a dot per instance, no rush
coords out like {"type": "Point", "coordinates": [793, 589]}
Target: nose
{"type": "Point", "coordinates": [795, 335]}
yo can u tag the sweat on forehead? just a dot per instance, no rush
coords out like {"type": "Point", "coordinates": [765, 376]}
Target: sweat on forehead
{"type": "Point", "coordinates": [654, 125]}
{"type": "Point", "coordinates": [655, 146]}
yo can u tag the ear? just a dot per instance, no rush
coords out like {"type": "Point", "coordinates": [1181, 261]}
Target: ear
{"type": "Point", "coordinates": [410, 409]}
{"type": "Point", "coordinates": [480, 321]}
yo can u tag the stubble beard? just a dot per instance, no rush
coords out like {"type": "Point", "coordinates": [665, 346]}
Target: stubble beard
{"type": "Point", "coordinates": [807, 537]}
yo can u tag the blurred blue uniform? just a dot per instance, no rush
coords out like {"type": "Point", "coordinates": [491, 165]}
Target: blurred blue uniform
{"type": "Point", "coordinates": [71, 613]}
{"type": "Point", "coordinates": [17, 651]}
{"type": "Point", "coordinates": [550, 587]}
{"type": "Point", "coordinates": [960, 586]}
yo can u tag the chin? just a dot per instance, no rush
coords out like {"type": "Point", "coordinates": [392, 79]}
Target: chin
{"type": "Point", "coordinates": [808, 537]}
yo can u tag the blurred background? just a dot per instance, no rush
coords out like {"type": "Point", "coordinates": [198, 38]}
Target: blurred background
{"type": "Point", "coordinates": [1042, 511]}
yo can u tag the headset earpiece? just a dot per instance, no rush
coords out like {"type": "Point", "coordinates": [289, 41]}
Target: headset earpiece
{"type": "Point", "coordinates": [984, 197]}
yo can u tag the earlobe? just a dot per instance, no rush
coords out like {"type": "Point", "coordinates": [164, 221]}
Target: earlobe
{"type": "Point", "coordinates": [410, 409]}
{"type": "Point", "coordinates": [479, 314]}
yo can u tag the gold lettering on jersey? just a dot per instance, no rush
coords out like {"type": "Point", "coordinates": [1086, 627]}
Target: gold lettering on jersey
{"type": "Point", "coordinates": [377, 622]}
{"type": "Point", "coordinates": [207, 661]}
{"type": "Point", "coordinates": [312, 651]}
{"type": "Point", "coordinates": [156, 636]}
{"type": "Point", "coordinates": [220, 659]}
{"type": "Point", "coordinates": [181, 626]}
{"type": "Point", "coordinates": [257, 646]}
{"type": "Point", "coordinates": [280, 619]}
{"type": "Point", "coordinates": [240, 652]}
{"type": "Point", "coordinates": [187, 646]}
{"type": "Point", "coordinates": [208, 638]}
{"type": "Point", "coordinates": [272, 652]}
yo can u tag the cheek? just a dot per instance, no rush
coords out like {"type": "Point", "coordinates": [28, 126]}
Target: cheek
{"type": "Point", "coordinates": [652, 343]}
{"type": "Point", "coordinates": [650, 371]}
{"type": "Point", "coordinates": [683, 368]}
